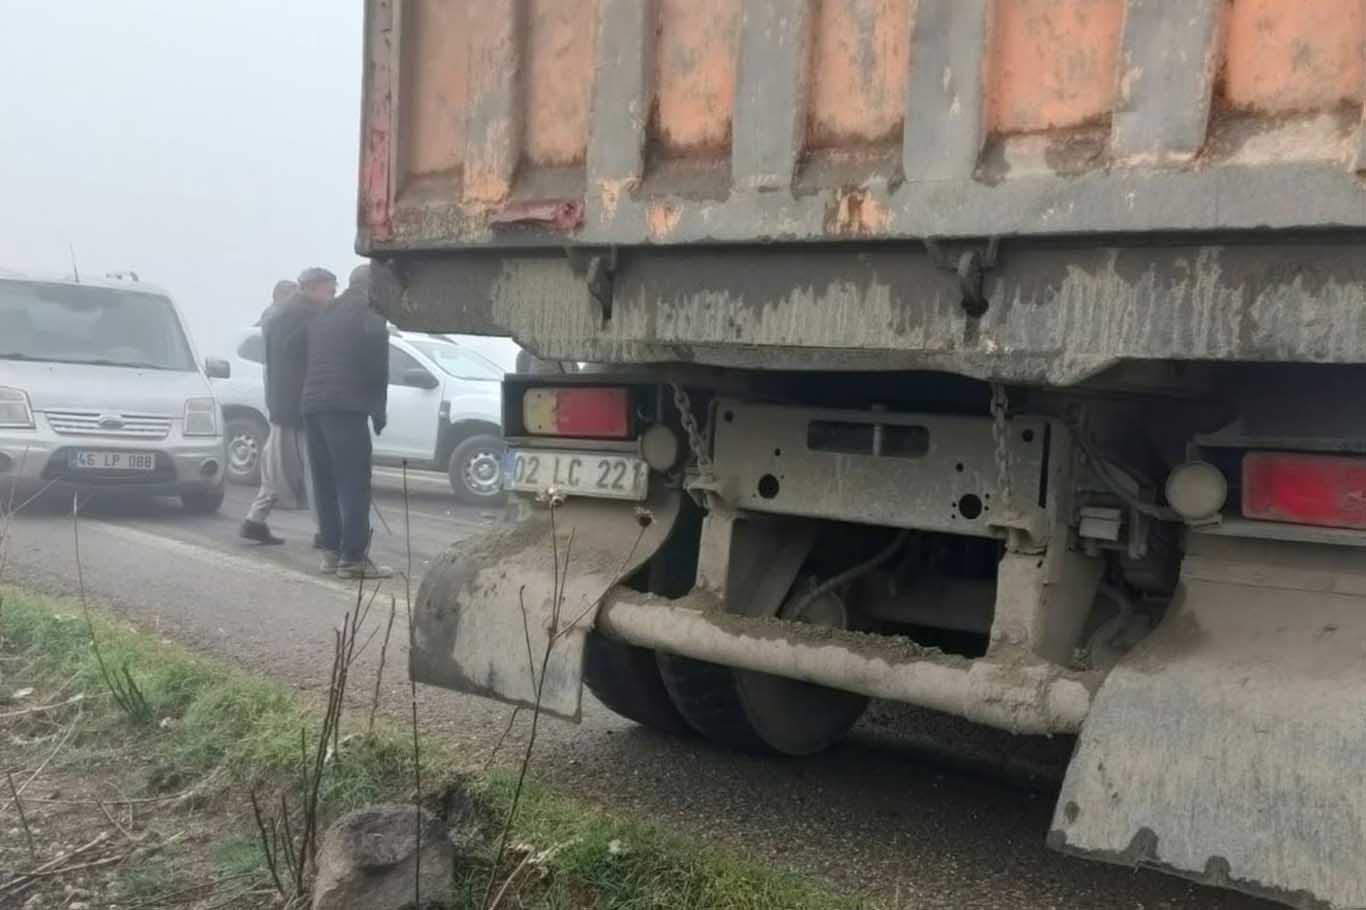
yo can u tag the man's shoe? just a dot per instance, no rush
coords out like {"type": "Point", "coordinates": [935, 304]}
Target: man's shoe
{"type": "Point", "coordinates": [362, 568]}
{"type": "Point", "coordinates": [258, 532]}
{"type": "Point", "coordinates": [330, 562]}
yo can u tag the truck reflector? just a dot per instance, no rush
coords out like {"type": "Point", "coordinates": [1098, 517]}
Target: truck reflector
{"type": "Point", "coordinates": [1325, 490]}
{"type": "Point", "coordinates": [584, 412]}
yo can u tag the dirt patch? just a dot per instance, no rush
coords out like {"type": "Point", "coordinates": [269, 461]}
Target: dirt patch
{"type": "Point", "coordinates": [106, 824]}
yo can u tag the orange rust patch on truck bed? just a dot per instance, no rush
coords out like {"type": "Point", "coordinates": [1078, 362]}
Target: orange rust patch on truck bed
{"type": "Point", "coordinates": [695, 78]}
{"type": "Point", "coordinates": [856, 213]}
{"type": "Point", "coordinates": [1052, 63]}
{"type": "Point", "coordinates": [661, 219]}
{"type": "Point", "coordinates": [1285, 56]}
{"type": "Point", "coordinates": [859, 69]}
{"type": "Point", "coordinates": [558, 65]}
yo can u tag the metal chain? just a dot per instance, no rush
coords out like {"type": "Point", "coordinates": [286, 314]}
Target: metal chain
{"type": "Point", "coordinates": [1000, 435]}
{"type": "Point", "coordinates": [697, 443]}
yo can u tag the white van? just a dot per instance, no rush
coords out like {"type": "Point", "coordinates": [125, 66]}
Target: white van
{"type": "Point", "coordinates": [100, 388]}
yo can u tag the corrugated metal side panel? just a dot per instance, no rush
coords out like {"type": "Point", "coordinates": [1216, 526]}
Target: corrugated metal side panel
{"type": "Point", "coordinates": [860, 50]}
{"type": "Point", "coordinates": [694, 91]}
{"type": "Point", "coordinates": [558, 76]}
{"type": "Point", "coordinates": [1283, 57]}
{"type": "Point", "coordinates": [1051, 63]}
{"type": "Point", "coordinates": [519, 122]}
{"type": "Point", "coordinates": [436, 82]}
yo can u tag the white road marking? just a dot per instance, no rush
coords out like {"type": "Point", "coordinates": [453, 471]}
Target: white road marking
{"type": "Point", "coordinates": [415, 478]}
{"type": "Point", "coordinates": [249, 568]}
{"type": "Point", "coordinates": [472, 523]}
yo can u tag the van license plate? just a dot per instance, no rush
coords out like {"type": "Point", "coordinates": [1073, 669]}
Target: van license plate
{"type": "Point", "coordinates": [577, 474]}
{"type": "Point", "coordinates": [87, 460]}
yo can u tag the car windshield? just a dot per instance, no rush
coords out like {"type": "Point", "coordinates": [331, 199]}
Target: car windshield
{"type": "Point", "coordinates": [458, 363]}
{"type": "Point", "coordinates": [68, 323]}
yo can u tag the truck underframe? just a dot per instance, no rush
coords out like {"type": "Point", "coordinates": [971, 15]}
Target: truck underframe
{"type": "Point", "coordinates": [1008, 483]}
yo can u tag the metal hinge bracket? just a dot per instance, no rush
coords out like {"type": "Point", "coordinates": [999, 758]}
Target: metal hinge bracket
{"type": "Point", "coordinates": [971, 267]}
{"type": "Point", "coordinates": [598, 268]}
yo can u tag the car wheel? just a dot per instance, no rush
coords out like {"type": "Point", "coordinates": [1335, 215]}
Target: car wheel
{"type": "Point", "coordinates": [476, 470]}
{"type": "Point", "coordinates": [246, 439]}
{"type": "Point", "coordinates": [202, 503]}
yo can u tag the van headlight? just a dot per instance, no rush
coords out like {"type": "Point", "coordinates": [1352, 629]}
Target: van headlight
{"type": "Point", "coordinates": [15, 411]}
{"type": "Point", "coordinates": [201, 417]}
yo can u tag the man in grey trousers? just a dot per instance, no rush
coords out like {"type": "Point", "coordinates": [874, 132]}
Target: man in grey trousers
{"type": "Point", "coordinates": [284, 458]}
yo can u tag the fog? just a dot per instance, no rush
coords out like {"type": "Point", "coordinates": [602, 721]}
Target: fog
{"type": "Point", "coordinates": [210, 145]}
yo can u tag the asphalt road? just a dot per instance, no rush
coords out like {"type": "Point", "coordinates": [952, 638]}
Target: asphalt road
{"type": "Point", "coordinates": [917, 810]}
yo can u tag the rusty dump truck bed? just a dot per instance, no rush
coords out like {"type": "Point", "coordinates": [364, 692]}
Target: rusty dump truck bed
{"type": "Point", "coordinates": [1149, 165]}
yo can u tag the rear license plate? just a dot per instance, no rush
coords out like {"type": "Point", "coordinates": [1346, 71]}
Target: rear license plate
{"type": "Point", "coordinates": [577, 474]}
{"type": "Point", "coordinates": [87, 460]}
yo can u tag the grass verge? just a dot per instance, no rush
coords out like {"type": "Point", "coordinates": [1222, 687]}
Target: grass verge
{"type": "Point", "coordinates": [214, 720]}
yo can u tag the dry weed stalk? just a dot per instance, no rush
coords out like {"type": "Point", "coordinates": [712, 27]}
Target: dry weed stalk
{"type": "Point", "coordinates": [23, 818]}
{"type": "Point", "coordinates": [121, 685]}
{"type": "Point", "coordinates": [555, 634]}
{"type": "Point", "coordinates": [412, 691]}
{"type": "Point", "coordinates": [291, 858]}
{"type": "Point", "coordinates": [379, 675]}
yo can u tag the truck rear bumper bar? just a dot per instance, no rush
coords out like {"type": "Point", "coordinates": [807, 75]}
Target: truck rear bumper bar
{"type": "Point", "coordinates": [1028, 696]}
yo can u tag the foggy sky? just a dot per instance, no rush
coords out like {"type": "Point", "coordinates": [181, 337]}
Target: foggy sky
{"type": "Point", "coordinates": [209, 144]}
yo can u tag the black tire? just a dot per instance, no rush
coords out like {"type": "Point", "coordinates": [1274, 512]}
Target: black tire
{"type": "Point", "coordinates": [246, 438]}
{"type": "Point", "coordinates": [626, 679]}
{"type": "Point", "coordinates": [469, 470]}
{"type": "Point", "coordinates": [755, 712]}
{"type": "Point", "coordinates": [707, 698]}
{"type": "Point", "coordinates": [202, 503]}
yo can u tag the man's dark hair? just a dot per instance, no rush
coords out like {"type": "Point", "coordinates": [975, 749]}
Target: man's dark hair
{"type": "Point", "coordinates": [360, 277]}
{"type": "Point", "coordinates": [315, 275]}
{"type": "Point", "coordinates": [284, 289]}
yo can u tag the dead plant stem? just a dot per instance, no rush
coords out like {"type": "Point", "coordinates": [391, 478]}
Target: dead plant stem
{"type": "Point", "coordinates": [412, 690]}
{"type": "Point", "coordinates": [41, 768]}
{"type": "Point", "coordinates": [23, 818]}
{"type": "Point", "coordinates": [379, 676]}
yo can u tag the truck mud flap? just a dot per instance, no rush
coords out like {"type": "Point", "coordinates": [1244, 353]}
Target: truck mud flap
{"type": "Point", "coordinates": [487, 609]}
{"type": "Point", "coordinates": [1230, 746]}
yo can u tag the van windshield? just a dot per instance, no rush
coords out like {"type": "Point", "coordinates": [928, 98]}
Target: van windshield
{"type": "Point", "coordinates": [68, 323]}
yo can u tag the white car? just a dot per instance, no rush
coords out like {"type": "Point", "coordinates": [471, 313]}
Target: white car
{"type": "Point", "coordinates": [445, 413]}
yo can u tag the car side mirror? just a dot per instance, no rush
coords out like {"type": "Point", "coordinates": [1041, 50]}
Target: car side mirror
{"type": "Point", "coordinates": [419, 378]}
{"type": "Point", "coordinates": [217, 369]}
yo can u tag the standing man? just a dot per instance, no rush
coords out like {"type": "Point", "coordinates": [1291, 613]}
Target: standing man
{"type": "Point", "coordinates": [284, 290]}
{"type": "Point", "coordinates": [347, 385]}
{"type": "Point", "coordinates": [284, 473]}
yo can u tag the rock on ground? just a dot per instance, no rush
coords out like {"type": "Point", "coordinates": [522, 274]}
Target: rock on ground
{"type": "Point", "coordinates": [368, 860]}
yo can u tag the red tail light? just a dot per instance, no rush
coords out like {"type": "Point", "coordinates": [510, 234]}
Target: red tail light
{"type": "Point", "coordinates": [1326, 490]}
{"type": "Point", "coordinates": [587, 413]}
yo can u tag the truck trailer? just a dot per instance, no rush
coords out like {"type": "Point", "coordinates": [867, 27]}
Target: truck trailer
{"type": "Point", "coordinates": [998, 357]}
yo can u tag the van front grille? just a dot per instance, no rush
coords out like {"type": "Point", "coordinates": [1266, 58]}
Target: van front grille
{"type": "Point", "coordinates": [115, 426]}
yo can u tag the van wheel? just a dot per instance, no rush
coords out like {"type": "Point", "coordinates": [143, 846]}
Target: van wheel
{"type": "Point", "coordinates": [202, 503]}
{"type": "Point", "coordinates": [246, 438]}
{"type": "Point", "coordinates": [626, 679]}
{"type": "Point", "coordinates": [476, 471]}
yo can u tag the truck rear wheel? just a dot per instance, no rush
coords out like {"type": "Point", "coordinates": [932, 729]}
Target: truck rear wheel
{"type": "Point", "coordinates": [756, 712]}
{"type": "Point", "coordinates": [626, 679]}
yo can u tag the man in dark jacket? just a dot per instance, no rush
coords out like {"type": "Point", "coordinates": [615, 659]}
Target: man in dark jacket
{"type": "Point", "coordinates": [346, 385]}
{"type": "Point", "coordinates": [284, 290]}
{"type": "Point", "coordinates": [284, 462]}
